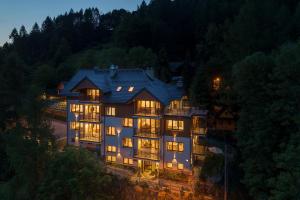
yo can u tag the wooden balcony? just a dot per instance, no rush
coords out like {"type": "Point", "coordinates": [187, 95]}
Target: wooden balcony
{"type": "Point", "coordinates": [148, 111]}
{"type": "Point", "coordinates": [89, 117]}
{"type": "Point", "coordinates": [185, 111]}
{"type": "Point", "coordinates": [199, 149]}
{"type": "Point", "coordinates": [146, 153]}
{"type": "Point", "coordinates": [146, 133]}
{"type": "Point", "coordinates": [199, 131]}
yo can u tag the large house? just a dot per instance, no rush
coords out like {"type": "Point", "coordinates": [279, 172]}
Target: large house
{"type": "Point", "coordinates": [132, 118]}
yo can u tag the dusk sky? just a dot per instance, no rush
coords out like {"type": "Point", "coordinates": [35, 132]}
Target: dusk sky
{"type": "Point", "coordinates": [14, 13]}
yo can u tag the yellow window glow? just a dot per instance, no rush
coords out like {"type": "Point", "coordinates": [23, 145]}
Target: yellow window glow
{"type": "Point", "coordinates": [180, 166]}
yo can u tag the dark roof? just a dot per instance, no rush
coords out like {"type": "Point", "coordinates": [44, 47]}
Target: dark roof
{"type": "Point", "coordinates": [125, 78]}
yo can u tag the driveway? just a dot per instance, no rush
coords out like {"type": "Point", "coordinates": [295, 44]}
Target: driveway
{"type": "Point", "coordinates": [60, 128]}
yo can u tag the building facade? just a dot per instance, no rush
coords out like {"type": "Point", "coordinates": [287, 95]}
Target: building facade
{"type": "Point", "coordinates": [134, 119]}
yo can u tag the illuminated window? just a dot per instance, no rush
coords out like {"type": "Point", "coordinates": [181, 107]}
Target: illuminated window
{"type": "Point", "coordinates": [148, 107]}
{"type": "Point", "coordinates": [111, 148]}
{"type": "Point", "coordinates": [175, 125]}
{"type": "Point", "coordinates": [89, 132]}
{"type": "Point", "coordinates": [111, 111]}
{"type": "Point", "coordinates": [169, 165]}
{"type": "Point", "coordinates": [147, 125]}
{"type": "Point", "coordinates": [216, 83]}
{"type": "Point", "coordinates": [128, 161]}
{"type": "Point", "coordinates": [93, 94]}
{"type": "Point", "coordinates": [180, 166]}
{"type": "Point", "coordinates": [130, 89]}
{"type": "Point", "coordinates": [128, 122]}
{"type": "Point", "coordinates": [92, 113]}
{"type": "Point", "coordinates": [175, 146]}
{"type": "Point", "coordinates": [149, 144]}
{"type": "Point", "coordinates": [74, 125]}
{"type": "Point", "coordinates": [111, 130]}
{"type": "Point", "coordinates": [119, 88]}
{"type": "Point", "coordinates": [76, 108]}
{"type": "Point", "coordinates": [127, 142]}
{"type": "Point", "coordinates": [111, 158]}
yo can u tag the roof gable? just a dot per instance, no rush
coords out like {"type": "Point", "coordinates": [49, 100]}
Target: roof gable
{"type": "Point", "coordinates": [83, 84]}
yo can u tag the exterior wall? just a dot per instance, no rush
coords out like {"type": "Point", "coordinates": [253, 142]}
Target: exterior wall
{"type": "Point", "coordinates": [122, 132]}
{"type": "Point", "coordinates": [187, 126]}
{"type": "Point", "coordinates": [127, 110]}
{"type": "Point", "coordinates": [181, 157]}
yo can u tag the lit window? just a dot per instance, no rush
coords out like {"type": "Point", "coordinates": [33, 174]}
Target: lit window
{"type": "Point", "coordinates": [128, 122]}
{"type": "Point", "coordinates": [93, 94]}
{"type": "Point", "coordinates": [169, 165]}
{"type": "Point", "coordinates": [76, 108]}
{"type": "Point", "coordinates": [89, 132]}
{"type": "Point", "coordinates": [180, 166]}
{"type": "Point", "coordinates": [127, 142]}
{"type": "Point", "coordinates": [175, 125]}
{"type": "Point", "coordinates": [111, 158]}
{"type": "Point", "coordinates": [175, 146]}
{"type": "Point", "coordinates": [111, 130]}
{"type": "Point", "coordinates": [111, 148]}
{"type": "Point", "coordinates": [119, 88]}
{"type": "Point", "coordinates": [130, 89]}
{"type": "Point", "coordinates": [128, 161]}
{"type": "Point", "coordinates": [216, 83]}
{"type": "Point", "coordinates": [74, 125]}
{"type": "Point", "coordinates": [111, 111]}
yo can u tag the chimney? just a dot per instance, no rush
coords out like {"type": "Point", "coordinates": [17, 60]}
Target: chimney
{"type": "Point", "coordinates": [149, 72]}
{"type": "Point", "coordinates": [179, 82]}
{"type": "Point", "coordinates": [113, 69]}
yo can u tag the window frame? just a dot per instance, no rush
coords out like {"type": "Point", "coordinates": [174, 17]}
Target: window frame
{"type": "Point", "coordinates": [110, 111]}
{"type": "Point", "coordinates": [127, 142]}
{"type": "Point", "coordinates": [175, 146]}
{"type": "Point", "coordinates": [126, 122]}
{"type": "Point", "coordinates": [175, 125]}
{"type": "Point", "coordinates": [109, 130]}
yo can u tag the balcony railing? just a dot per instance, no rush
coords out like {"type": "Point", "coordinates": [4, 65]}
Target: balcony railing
{"type": "Point", "coordinates": [199, 149]}
{"type": "Point", "coordinates": [199, 131]}
{"type": "Point", "coordinates": [148, 111]}
{"type": "Point", "coordinates": [186, 111]}
{"type": "Point", "coordinates": [146, 133]}
{"type": "Point", "coordinates": [88, 117]}
{"type": "Point", "coordinates": [147, 154]}
{"type": "Point", "coordinates": [84, 98]}
{"type": "Point", "coordinates": [90, 139]}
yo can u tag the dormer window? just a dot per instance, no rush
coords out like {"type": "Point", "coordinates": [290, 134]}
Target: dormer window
{"type": "Point", "coordinates": [93, 94]}
{"type": "Point", "coordinates": [119, 88]}
{"type": "Point", "coordinates": [130, 89]}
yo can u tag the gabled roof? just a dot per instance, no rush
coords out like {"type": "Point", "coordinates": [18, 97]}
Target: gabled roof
{"type": "Point", "coordinates": [125, 78]}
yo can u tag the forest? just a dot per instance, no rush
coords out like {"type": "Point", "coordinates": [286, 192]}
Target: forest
{"type": "Point", "coordinates": [253, 45]}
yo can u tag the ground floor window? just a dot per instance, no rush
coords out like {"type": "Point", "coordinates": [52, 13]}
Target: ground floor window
{"type": "Point", "coordinates": [111, 158]}
{"type": "Point", "coordinates": [178, 166]}
{"type": "Point", "coordinates": [128, 161]}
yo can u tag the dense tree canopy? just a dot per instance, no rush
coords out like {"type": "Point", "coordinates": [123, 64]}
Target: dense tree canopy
{"type": "Point", "coordinates": [252, 45]}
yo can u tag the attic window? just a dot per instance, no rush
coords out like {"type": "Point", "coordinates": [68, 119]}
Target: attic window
{"type": "Point", "coordinates": [119, 88]}
{"type": "Point", "coordinates": [130, 89]}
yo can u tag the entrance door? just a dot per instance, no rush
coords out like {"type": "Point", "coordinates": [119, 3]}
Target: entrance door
{"type": "Point", "coordinates": [147, 166]}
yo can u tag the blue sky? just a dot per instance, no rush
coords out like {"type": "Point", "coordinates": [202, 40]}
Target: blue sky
{"type": "Point", "coordinates": [14, 13]}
